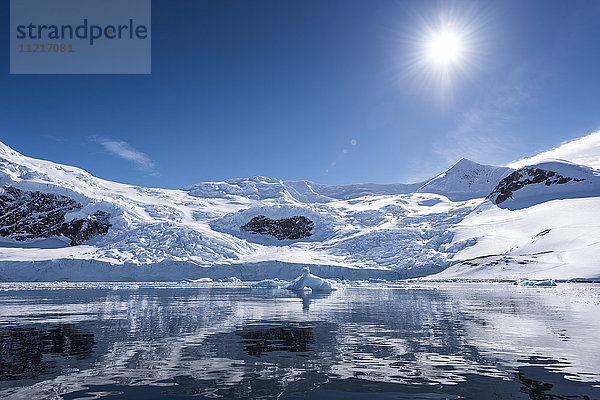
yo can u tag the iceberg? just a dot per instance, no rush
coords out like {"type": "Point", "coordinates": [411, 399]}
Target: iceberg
{"type": "Point", "coordinates": [527, 282]}
{"type": "Point", "coordinates": [199, 280]}
{"type": "Point", "coordinates": [270, 283]}
{"type": "Point", "coordinates": [231, 279]}
{"type": "Point", "coordinates": [308, 282]}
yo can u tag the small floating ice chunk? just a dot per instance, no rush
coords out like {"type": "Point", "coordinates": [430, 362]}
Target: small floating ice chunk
{"type": "Point", "coordinates": [527, 282]}
{"type": "Point", "coordinates": [375, 280]}
{"type": "Point", "coordinates": [231, 279]}
{"type": "Point", "coordinates": [199, 280]}
{"type": "Point", "coordinates": [549, 282]}
{"type": "Point", "coordinates": [125, 287]}
{"type": "Point", "coordinates": [270, 283]}
{"type": "Point", "coordinates": [313, 282]}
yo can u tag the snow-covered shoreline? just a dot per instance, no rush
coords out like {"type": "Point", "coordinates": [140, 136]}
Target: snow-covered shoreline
{"type": "Point", "coordinates": [173, 271]}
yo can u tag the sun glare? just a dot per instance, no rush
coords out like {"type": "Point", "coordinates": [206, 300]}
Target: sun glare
{"type": "Point", "coordinates": [444, 48]}
{"type": "Point", "coordinates": [440, 49]}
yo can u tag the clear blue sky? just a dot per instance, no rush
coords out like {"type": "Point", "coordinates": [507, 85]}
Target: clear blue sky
{"type": "Point", "coordinates": [333, 91]}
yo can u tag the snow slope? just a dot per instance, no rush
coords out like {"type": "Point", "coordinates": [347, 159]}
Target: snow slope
{"type": "Point", "coordinates": [263, 188]}
{"type": "Point", "coordinates": [583, 151]}
{"type": "Point", "coordinates": [542, 231]}
{"type": "Point", "coordinates": [360, 231]}
{"type": "Point", "coordinates": [557, 239]}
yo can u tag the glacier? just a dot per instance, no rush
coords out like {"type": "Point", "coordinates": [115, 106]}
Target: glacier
{"type": "Point", "coordinates": [444, 228]}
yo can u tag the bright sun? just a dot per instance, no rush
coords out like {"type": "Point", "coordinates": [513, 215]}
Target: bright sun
{"type": "Point", "coordinates": [444, 48]}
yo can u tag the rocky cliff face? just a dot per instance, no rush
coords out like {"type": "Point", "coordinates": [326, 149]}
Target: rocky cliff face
{"type": "Point", "coordinates": [31, 215]}
{"type": "Point", "coordinates": [523, 177]}
{"type": "Point", "coordinates": [80, 230]}
{"type": "Point", "coordinates": [296, 227]}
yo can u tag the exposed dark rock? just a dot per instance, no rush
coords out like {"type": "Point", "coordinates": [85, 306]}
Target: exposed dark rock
{"type": "Point", "coordinates": [523, 177]}
{"type": "Point", "coordinates": [80, 230]}
{"type": "Point", "coordinates": [30, 215]}
{"type": "Point", "coordinates": [296, 227]}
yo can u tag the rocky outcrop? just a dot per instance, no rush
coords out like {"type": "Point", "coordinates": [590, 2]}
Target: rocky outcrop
{"type": "Point", "coordinates": [296, 227]}
{"type": "Point", "coordinates": [523, 177]}
{"type": "Point", "coordinates": [28, 215]}
{"type": "Point", "coordinates": [80, 230]}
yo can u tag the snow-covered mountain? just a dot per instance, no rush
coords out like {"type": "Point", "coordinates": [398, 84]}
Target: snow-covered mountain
{"type": "Point", "coordinates": [540, 221]}
{"type": "Point", "coordinates": [61, 223]}
{"type": "Point", "coordinates": [465, 180]}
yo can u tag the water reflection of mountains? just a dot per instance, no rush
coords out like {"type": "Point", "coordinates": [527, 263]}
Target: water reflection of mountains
{"type": "Point", "coordinates": [25, 351]}
{"type": "Point", "coordinates": [292, 338]}
{"type": "Point", "coordinates": [260, 344]}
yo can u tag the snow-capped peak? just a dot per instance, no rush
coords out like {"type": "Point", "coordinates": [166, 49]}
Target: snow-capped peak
{"type": "Point", "coordinates": [465, 180]}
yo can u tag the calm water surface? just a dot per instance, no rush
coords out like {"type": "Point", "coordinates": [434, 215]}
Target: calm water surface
{"type": "Point", "coordinates": [177, 341]}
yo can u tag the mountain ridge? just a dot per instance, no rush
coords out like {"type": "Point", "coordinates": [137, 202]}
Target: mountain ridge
{"type": "Point", "coordinates": [402, 230]}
